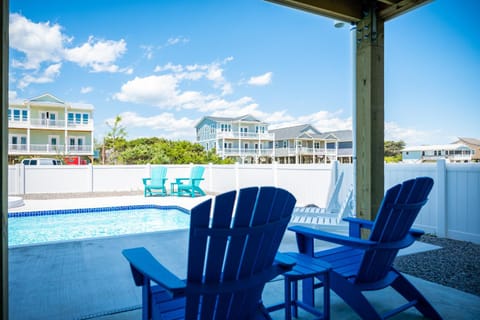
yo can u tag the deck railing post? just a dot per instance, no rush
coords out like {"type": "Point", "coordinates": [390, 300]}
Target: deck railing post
{"type": "Point", "coordinates": [441, 184]}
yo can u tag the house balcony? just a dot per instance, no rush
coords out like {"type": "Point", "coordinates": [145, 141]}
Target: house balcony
{"type": "Point", "coordinates": [245, 152]}
{"type": "Point", "coordinates": [286, 152]}
{"type": "Point", "coordinates": [51, 124]}
{"type": "Point", "coordinates": [48, 149]}
{"type": "Point", "coordinates": [246, 136]}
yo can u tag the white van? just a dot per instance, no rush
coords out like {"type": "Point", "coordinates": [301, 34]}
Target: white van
{"type": "Point", "coordinates": [41, 162]}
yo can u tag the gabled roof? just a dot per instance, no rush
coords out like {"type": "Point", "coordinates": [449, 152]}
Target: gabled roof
{"type": "Point", "coordinates": [246, 118]}
{"type": "Point", "coordinates": [469, 141]}
{"type": "Point", "coordinates": [306, 131]}
{"type": "Point", "coordinates": [46, 98]}
{"type": "Point", "coordinates": [340, 135]}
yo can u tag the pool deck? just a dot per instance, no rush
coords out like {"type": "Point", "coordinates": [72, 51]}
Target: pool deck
{"type": "Point", "coordinates": [90, 279]}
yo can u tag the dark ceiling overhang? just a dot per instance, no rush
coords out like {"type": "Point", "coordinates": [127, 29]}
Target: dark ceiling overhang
{"type": "Point", "coordinates": [353, 10]}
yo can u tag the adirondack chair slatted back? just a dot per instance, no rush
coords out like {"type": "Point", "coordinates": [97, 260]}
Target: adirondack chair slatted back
{"type": "Point", "coordinates": [196, 173]}
{"type": "Point", "coordinates": [158, 175]}
{"type": "Point", "coordinates": [397, 213]}
{"type": "Point", "coordinates": [228, 245]}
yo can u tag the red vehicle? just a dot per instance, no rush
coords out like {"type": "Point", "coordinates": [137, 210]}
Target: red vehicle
{"type": "Point", "coordinates": [75, 161]}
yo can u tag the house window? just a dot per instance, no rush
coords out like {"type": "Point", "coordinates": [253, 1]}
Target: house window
{"type": "Point", "coordinates": [48, 118]}
{"type": "Point", "coordinates": [78, 118]}
{"type": "Point", "coordinates": [18, 142]}
{"type": "Point", "coordinates": [18, 114]}
{"type": "Point", "coordinates": [259, 129]}
{"type": "Point", "coordinates": [76, 144]}
{"type": "Point", "coordinates": [243, 131]}
{"type": "Point", "coordinates": [53, 143]}
{"type": "Point", "coordinates": [316, 145]}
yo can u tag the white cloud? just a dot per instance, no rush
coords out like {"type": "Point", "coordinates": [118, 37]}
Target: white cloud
{"type": "Point", "coordinates": [86, 90]}
{"type": "Point", "coordinates": [168, 90]}
{"type": "Point", "coordinates": [411, 136]}
{"type": "Point", "coordinates": [12, 95]}
{"type": "Point", "coordinates": [48, 75]}
{"type": "Point", "coordinates": [99, 55]}
{"type": "Point", "coordinates": [39, 42]}
{"type": "Point", "coordinates": [324, 121]}
{"type": "Point", "coordinates": [261, 80]}
{"type": "Point", "coordinates": [148, 52]}
{"type": "Point", "coordinates": [165, 124]}
{"type": "Point", "coordinates": [176, 40]}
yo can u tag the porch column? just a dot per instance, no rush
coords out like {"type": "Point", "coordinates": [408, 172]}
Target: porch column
{"type": "Point", "coordinates": [370, 115]}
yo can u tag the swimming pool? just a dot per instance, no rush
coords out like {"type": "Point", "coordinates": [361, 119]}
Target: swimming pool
{"type": "Point", "coordinates": [26, 228]}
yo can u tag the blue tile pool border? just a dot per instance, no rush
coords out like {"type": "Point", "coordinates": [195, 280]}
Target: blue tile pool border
{"type": "Point", "coordinates": [90, 210]}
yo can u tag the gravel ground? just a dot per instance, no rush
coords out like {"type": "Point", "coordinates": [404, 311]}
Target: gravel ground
{"type": "Point", "coordinates": [456, 265]}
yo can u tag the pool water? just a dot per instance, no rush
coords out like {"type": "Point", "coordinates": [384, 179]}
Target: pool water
{"type": "Point", "coordinates": [65, 225]}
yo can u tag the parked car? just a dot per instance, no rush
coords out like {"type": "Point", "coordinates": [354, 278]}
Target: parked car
{"type": "Point", "coordinates": [41, 161]}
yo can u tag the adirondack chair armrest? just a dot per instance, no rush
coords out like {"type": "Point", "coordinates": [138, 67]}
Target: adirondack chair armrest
{"type": "Point", "coordinates": [417, 233]}
{"type": "Point", "coordinates": [284, 261]}
{"type": "Point", "coordinates": [145, 180]}
{"type": "Point", "coordinates": [355, 225]}
{"type": "Point", "coordinates": [197, 179]}
{"type": "Point", "coordinates": [180, 180]}
{"type": "Point", "coordinates": [145, 268]}
{"type": "Point", "coordinates": [305, 237]}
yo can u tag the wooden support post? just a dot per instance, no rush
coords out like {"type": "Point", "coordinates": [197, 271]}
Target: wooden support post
{"type": "Point", "coordinates": [370, 115]}
{"type": "Point", "coordinates": [4, 158]}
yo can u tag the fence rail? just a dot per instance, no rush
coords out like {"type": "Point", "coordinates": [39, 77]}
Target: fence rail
{"type": "Point", "coordinates": [452, 211]}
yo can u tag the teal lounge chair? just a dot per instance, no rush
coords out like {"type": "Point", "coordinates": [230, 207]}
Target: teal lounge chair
{"type": "Point", "coordinates": [156, 184]}
{"type": "Point", "coordinates": [230, 258]}
{"type": "Point", "coordinates": [360, 265]}
{"type": "Point", "coordinates": [189, 186]}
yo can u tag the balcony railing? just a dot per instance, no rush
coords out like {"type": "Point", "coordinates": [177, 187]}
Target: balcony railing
{"type": "Point", "coordinates": [246, 152]}
{"type": "Point", "coordinates": [50, 124]}
{"type": "Point", "coordinates": [284, 152]}
{"type": "Point", "coordinates": [48, 149]}
{"type": "Point", "coordinates": [245, 135]}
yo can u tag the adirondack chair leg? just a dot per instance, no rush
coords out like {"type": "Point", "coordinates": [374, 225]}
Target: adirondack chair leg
{"type": "Point", "coordinates": [355, 299]}
{"type": "Point", "coordinates": [409, 292]}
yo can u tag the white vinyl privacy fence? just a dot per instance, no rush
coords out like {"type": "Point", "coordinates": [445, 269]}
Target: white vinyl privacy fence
{"type": "Point", "coordinates": [452, 211]}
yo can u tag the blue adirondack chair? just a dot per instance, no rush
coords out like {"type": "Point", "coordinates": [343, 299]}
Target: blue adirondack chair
{"type": "Point", "coordinates": [230, 258]}
{"type": "Point", "coordinates": [189, 186]}
{"type": "Point", "coordinates": [361, 265]}
{"type": "Point", "coordinates": [155, 185]}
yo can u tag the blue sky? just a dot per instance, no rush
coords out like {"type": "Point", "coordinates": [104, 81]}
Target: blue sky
{"type": "Point", "coordinates": [163, 65]}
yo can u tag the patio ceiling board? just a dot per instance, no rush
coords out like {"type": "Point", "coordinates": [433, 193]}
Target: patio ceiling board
{"type": "Point", "coordinates": [353, 10]}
